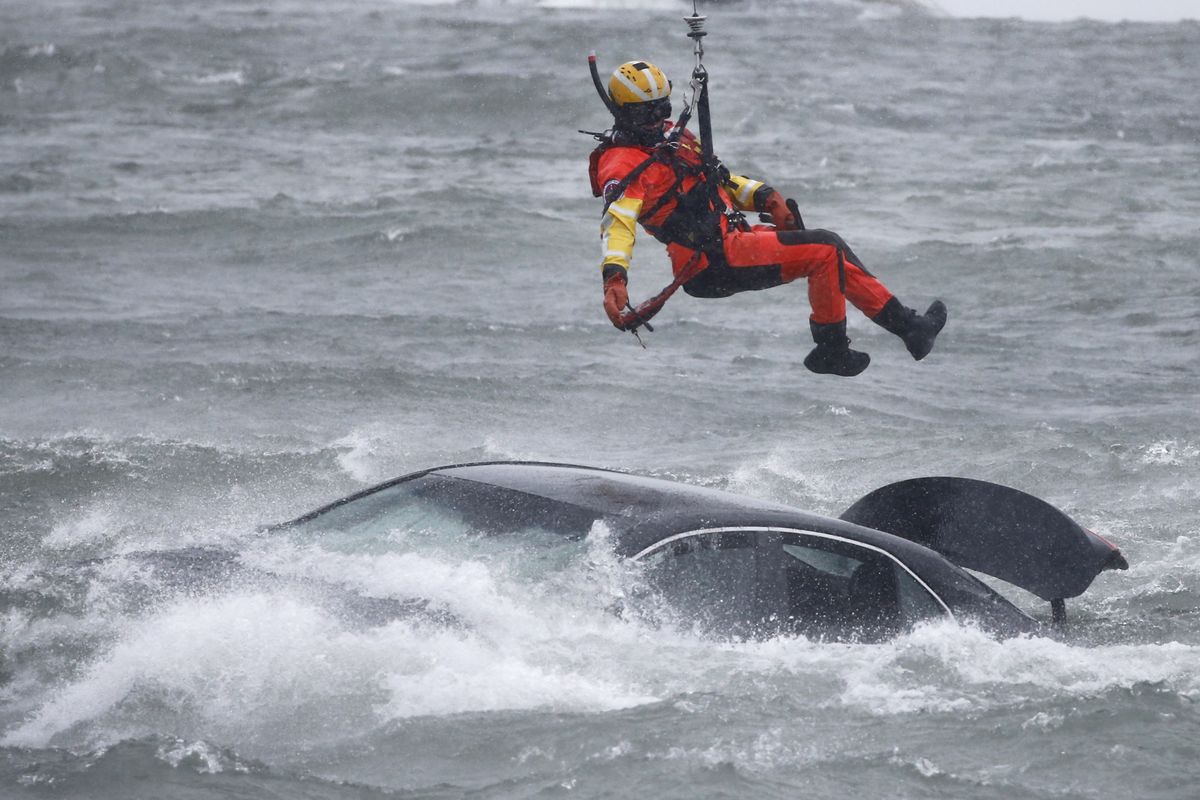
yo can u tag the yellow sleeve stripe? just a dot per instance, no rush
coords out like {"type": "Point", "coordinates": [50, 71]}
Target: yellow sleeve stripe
{"type": "Point", "coordinates": [618, 231]}
{"type": "Point", "coordinates": [617, 208]}
{"type": "Point", "coordinates": [748, 191]}
{"type": "Point", "coordinates": [743, 191]}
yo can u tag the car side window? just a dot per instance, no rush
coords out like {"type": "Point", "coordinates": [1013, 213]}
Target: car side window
{"type": "Point", "coordinates": [838, 589]}
{"type": "Point", "coordinates": [767, 582]}
{"type": "Point", "coordinates": [708, 582]}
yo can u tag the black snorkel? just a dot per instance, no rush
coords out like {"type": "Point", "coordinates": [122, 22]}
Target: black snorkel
{"type": "Point", "coordinates": [608, 103]}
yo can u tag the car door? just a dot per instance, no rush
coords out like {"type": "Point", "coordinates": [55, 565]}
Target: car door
{"type": "Point", "coordinates": [707, 580]}
{"type": "Point", "coordinates": [761, 582]}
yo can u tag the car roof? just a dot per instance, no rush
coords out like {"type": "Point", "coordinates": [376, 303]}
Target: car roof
{"type": "Point", "coordinates": [642, 510]}
{"type": "Point", "coordinates": [607, 492]}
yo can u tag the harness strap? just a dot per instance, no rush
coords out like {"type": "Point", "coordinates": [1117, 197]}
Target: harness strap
{"type": "Point", "coordinates": [633, 175]}
{"type": "Point", "coordinates": [668, 196]}
{"type": "Point", "coordinates": [664, 155]}
{"type": "Point", "coordinates": [635, 317]}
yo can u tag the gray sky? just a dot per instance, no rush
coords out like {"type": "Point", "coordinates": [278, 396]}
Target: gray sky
{"type": "Point", "coordinates": [1139, 10]}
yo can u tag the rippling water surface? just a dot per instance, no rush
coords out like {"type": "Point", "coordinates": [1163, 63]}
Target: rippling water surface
{"type": "Point", "coordinates": [256, 256]}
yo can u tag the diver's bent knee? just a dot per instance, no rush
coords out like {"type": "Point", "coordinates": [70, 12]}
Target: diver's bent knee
{"type": "Point", "coordinates": [817, 236]}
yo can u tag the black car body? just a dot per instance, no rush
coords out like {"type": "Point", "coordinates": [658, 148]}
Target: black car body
{"type": "Point", "coordinates": [740, 567]}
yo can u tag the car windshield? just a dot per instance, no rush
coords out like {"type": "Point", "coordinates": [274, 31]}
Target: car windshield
{"type": "Point", "coordinates": [442, 505]}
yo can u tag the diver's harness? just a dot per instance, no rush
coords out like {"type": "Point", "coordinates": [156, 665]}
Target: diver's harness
{"type": "Point", "coordinates": [696, 221]}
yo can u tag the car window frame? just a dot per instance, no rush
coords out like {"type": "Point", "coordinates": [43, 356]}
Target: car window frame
{"type": "Point", "coordinates": [637, 557]}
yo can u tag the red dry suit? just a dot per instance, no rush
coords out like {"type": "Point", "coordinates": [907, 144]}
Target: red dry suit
{"type": "Point", "coordinates": [669, 199]}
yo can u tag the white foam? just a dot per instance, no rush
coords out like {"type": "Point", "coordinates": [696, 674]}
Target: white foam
{"type": "Point", "coordinates": [502, 448]}
{"type": "Point", "coordinates": [467, 587]}
{"type": "Point", "coordinates": [197, 648]}
{"type": "Point", "coordinates": [267, 666]}
{"type": "Point", "coordinates": [357, 456]}
{"type": "Point", "coordinates": [465, 673]}
{"type": "Point", "coordinates": [199, 755]}
{"type": "Point", "coordinates": [977, 670]}
{"type": "Point", "coordinates": [1044, 721]}
{"type": "Point", "coordinates": [765, 751]}
{"type": "Point", "coordinates": [93, 525]}
{"type": "Point", "coordinates": [1170, 452]}
{"type": "Point", "coordinates": [272, 667]}
{"type": "Point", "coordinates": [235, 77]}
{"type": "Point", "coordinates": [945, 668]}
{"type": "Point", "coordinates": [786, 477]}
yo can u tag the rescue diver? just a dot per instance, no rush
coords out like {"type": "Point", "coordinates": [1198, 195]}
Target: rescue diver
{"type": "Point", "coordinates": [647, 175]}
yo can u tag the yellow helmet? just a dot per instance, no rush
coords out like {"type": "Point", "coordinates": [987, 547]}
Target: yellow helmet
{"type": "Point", "coordinates": [638, 82]}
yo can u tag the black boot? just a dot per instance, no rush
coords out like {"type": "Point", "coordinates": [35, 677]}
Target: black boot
{"type": "Point", "coordinates": [917, 330]}
{"type": "Point", "coordinates": [832, 355]}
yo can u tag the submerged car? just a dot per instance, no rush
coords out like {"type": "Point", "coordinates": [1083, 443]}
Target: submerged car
{"type": "Point", "coordinates": [740, 567]}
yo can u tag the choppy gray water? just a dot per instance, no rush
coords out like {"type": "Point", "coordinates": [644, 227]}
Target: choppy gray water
{"type": "Point", "coordinates": [259, 255]}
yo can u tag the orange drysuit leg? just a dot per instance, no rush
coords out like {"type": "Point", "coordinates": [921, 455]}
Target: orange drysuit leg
{"type": "Point", "coordinates": [764, 257]}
